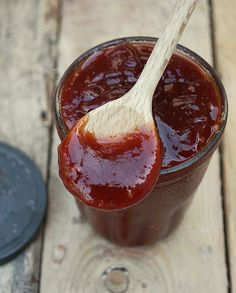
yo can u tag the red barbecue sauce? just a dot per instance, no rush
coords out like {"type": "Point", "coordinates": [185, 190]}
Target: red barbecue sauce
{"type": "Point", "coordinates": [113, 174]}
{"type": "Point", "coordinates": [110, 173]}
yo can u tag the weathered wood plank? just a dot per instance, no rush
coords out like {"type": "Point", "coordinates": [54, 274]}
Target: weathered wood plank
{"type": "Point", "coordinates": [28, 33]}
{"type": "Point", "coordinates": [192, 259]}
{"type": "Point", "coordinates": [225, 27]}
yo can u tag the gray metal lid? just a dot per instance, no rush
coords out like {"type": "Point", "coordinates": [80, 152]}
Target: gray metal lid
{"type": "Point", "coordinates": [23, 201]}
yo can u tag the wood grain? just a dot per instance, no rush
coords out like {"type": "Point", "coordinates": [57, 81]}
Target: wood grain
{"type": "Point", "coordinates": [27, 53]}
{"type": "Point", "coordinates": [225, 26]}
{"type": "Point", "coordinates": [74, 258]}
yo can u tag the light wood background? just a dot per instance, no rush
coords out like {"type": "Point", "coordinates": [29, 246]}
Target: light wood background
{"type": "Point", "coordinates": [38, 40]}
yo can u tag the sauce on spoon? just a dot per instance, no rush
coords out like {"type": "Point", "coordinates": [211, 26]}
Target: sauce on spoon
{"type": "Point", "coordinates": [110, 173]}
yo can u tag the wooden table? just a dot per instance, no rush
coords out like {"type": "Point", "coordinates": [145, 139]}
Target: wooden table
{"type": "Point", "coordinates": [38, 40]}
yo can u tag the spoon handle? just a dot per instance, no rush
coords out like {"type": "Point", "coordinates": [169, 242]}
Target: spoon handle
{"type": "Point", "coordinates": [164, 49]}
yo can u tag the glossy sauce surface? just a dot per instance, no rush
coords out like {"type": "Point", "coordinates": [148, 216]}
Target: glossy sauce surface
{"type": "Point", "coordinates": [110, 173]}
{"type": "Point", "coordinates": [186, 103]}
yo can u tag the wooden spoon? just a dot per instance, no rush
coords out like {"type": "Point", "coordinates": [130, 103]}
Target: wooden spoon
{"type": "Point", "coordinates": [134, 109]}
{"type": "Point", "coordinates": [111, 158]}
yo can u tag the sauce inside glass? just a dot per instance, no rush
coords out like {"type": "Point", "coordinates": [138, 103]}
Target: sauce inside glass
{"type": "Point", "coordinates": [186, 109]}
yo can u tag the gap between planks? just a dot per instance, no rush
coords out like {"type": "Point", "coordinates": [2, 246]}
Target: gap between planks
{"type": "Point", "coordinates": [225, 43]}
{"type": "Point", "coordinates": [51, 129]}
{"type": "Point", "coordinates": [221, 152]}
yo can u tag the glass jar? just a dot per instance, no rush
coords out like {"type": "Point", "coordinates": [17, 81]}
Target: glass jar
{"type": "Point", "coordinates": [160, 213]}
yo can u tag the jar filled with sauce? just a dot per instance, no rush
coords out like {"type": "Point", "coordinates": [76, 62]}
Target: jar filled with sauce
{"type": "Point", "coordinates": [190, 111]}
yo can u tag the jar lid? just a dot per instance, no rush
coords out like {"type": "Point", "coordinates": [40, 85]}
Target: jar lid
{"type": "Point", "coordinates": [23, 201]}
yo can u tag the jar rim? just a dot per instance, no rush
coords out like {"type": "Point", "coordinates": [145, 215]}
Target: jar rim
{"type": "Point", "coordinates": [180, 49]}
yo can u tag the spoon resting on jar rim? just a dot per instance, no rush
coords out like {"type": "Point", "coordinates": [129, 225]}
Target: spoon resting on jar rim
{"type": "Point", "coordinates": [111, 158]}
